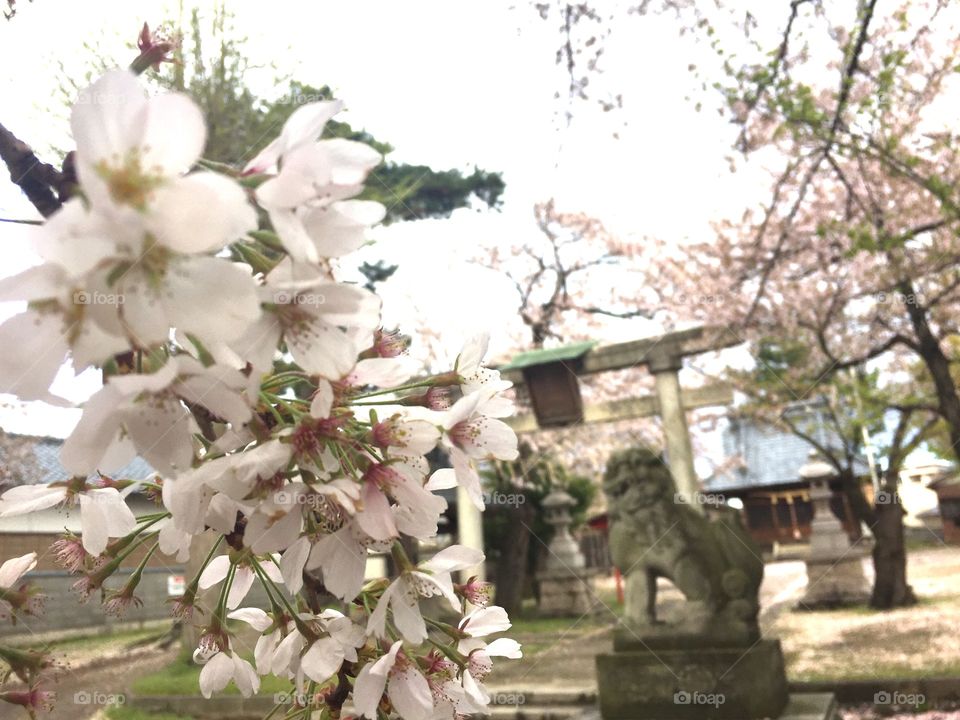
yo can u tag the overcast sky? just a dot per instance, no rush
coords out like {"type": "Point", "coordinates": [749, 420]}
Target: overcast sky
{"type": "Point", "coordinates": [449, 84]}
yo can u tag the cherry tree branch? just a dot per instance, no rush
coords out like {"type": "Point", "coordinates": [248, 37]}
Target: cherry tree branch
{"type": "Point", "coordinates": [45, 187]}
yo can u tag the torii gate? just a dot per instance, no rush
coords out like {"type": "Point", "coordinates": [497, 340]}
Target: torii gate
{"type": "Point", "coordinates": [551, 377]}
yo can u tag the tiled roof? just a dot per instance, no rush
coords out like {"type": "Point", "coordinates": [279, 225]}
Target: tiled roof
{"type": "Point", "coordinates": [29, 460]}
{"type": "Point", "coordinates": [764, 456]}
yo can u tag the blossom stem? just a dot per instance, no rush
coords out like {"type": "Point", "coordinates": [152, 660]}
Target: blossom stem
{"type": "Point", "coordinates": [294, 614]}
{"type": "Point", "coordinates": [254, 258]}
{"type": "Point", "coordinates": [284, 378]}
{"type": "Point", "coordinates": [220, 611]}
{"type": "Point", "coordinates": [134, 579]}
{"type": "Point", "coordinates": [449, 652]}
{"type": "Point", "coordinates": [97, 578]}
{"type": "Point", "coordinates": [218, 167]}
{"type": "Point", "coordinates": [123, 542]}
{"type": "Point", "coordinates": [429, 382]}
{"type": "Point", "coordinates": [275, 605]}
{"type": "Point", "coordinates": [273, 411]}
{"type": "Point", "coordinates": [191, 590]}
{"type": "Point", "coordinates": [400, 557]}
{"type": "Point", "coordinates": [446, 629]}
{"type": "Point", "coordinates": [270, 239]}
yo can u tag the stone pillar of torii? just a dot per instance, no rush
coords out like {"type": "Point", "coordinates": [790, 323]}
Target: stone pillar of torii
{"type": "Point", "coordinates": [663, 356]}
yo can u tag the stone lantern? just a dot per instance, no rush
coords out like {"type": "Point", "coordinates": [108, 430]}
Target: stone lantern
{"type": "Point", "coordinates": [564, 582]}
{"type": "Point", "coordinates": [835, 574]}
{"type": "Point", "coordinates": [564, 550]}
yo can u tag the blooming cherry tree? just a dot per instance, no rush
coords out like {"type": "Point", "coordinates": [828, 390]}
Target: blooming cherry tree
{"type": "Point", "coordinates": [184, 281]}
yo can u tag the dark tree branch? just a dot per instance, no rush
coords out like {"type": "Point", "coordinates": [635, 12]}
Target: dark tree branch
{"type": "Point", "coordinates": [45, 187]}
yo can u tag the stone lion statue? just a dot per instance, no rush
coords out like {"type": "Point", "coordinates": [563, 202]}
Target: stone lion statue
{"type": "Point", "coordinates": [653, 533]}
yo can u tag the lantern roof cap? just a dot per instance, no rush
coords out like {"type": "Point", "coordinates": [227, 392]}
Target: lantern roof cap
{"type": "Point", "coordinates": [549, 355]}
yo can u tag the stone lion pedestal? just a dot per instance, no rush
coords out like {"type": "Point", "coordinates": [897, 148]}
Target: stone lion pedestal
{"type": "Point", "coordinates": [710, 662]}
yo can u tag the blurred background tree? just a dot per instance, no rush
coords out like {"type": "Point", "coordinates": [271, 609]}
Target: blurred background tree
{"type": "Point", "coordinates": [514, 531]}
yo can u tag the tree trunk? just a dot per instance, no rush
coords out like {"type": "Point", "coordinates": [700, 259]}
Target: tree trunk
{"type": "Point", "coordinates": [890, 587]}
{"type": "Point", "coordinates": [938, 364]}
{"type": "Point", "coordinates": [512, 567]}
{"type": "Point", "coordinates": [862, 511]}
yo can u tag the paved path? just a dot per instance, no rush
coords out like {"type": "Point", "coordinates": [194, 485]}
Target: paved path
{"type": "Point", "coordinates": [565, 659]}
{"type": "Point", "coordinates": [111, 675]}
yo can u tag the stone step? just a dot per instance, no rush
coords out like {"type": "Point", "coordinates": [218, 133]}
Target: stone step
{"type": "Point", "coordinates": [533, 712]}
{"type": "Point", "coordinates": [800, 706]}
{"type": "Point", "coordinates": [811, 706]}
{"type": "Point", "coordinates": [542, 696]}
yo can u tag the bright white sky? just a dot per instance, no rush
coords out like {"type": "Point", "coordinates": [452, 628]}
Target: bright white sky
{"type": "Point", "coordinates": [449, 84]}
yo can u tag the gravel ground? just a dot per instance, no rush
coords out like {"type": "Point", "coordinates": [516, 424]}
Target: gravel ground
{"type": "Point", "coordinates": [857, 643]}
{"type": "Point", "coordinates": [95, 676]}
{"type": "Point", "coordinates": [861, 644]}
{"type": "Point", "coordinates": [866, 712]}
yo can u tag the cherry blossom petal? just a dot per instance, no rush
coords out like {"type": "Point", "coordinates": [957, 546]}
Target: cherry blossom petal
{"type": "Point", "coordinates": [467, 476]}
{"type": "Point", "coordinates": [293, 562]}
{"type": "Point", "coordinates": [368, 690]}
{"type": "Point", "coordinates": [340, 228]}
{"type": "Point", "coordinates": [303, 126]}
{"type": "Point", "coordinates": [215, 571]}
{"type": "Point", "coordinates": [245, 677]}
{"type": "Point", "coordinates": [103, 514]}
{"type": "Point", "coordinates": [410, 694]}
{"type": "Point", "coordinates": [504, 647]}
{"type": "Point", "coordinates": [173, 133]}
{"type": "Point", "coordinates": [455, 557]}
{"type": "Point", "coordinates": [323, 659]}
{"type": "Point", "coordinates": [376, 519]}
{"type": "Point", "coordinates": [254, 617]}
{"type": "Point", "coordinates": [442, 479]}
{"type": "Point", "coordinates": [104, 118]}
{"type": "Point", "coordinates": [216, 674]}
{"type": "Point", "coordinates": [242, 582]}
{"type": "Point", "coordinates": [212, 298]}
{"type": "Point", "coordinates": [349, 161]}
{"type": "Point", "coordinates": [201, 212]}
{"type": "Point", "coordinates": [322, 401]}
{"type": "Point", "coordinates": [35, 345]}
{"type": "Point", "coordinates": [407, 617]}
{"type": "Point", "coordinates": [486, 621]}
{"type": "Point", "coordinates": [276, 531]}
{"type": "Point", "coordinates": [25, 499]}
{"type": "Point", "coordinates": [15, 568]}
{"type": "Point", "coordinates": [343, 561]}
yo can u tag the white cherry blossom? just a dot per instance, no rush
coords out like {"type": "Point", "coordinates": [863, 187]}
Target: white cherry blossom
{"type": "Point", "coordinates": [428, 579]}
{"type": "Point", "coordinates": [399, 676]}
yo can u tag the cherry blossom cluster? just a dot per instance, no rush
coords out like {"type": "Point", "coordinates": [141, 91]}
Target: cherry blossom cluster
{"type": "Point", "coordinates": [289, 431]}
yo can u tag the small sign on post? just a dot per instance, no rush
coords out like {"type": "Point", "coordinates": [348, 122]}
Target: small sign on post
{"type": "Point", "coordinates": [175, 585]}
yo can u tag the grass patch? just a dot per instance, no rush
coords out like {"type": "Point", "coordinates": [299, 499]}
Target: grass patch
{"type": "Point", "coordinates": [182, 677]}
{"type": "Point", "coordinates": [878, 672]}
{"type": "Point", "coordinates": [90, 642]}
{"type": "Point", "coordinates": [531, 625]}
{"type": "Point", "coordinates": [530, 622]}
{"type": "Point", "coordinates": [96, 640]}
{"type": "Point", "coordinates": [129, 713]}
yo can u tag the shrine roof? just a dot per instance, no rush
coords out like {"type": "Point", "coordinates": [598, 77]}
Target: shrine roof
{"type": "Point", "coordinates": [763, 456]}
{"type": "Point", "coordinates": [33, 459]}
{"type": "Point", "coordinates": [547, 355]}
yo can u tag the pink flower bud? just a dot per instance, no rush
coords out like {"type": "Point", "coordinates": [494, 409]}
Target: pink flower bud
{"type": "Point", "coordinates": [475, 591]}
{"type": "Point", "coordinates": [390, 344]}
{"type": "Point", "coordinates": [33, 699]}
{"type": "Point", "coordinates": [438, 398]}
{"type": "Point", "coordinates": [70, 553]}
